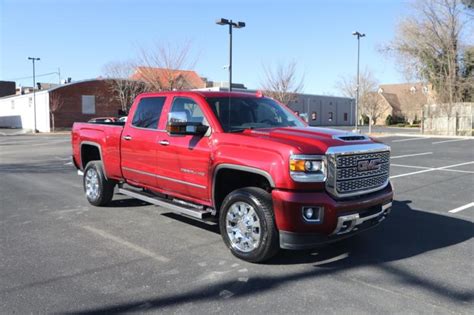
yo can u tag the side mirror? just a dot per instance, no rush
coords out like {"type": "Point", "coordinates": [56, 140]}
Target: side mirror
{"type": "Point", "coordinates": [178, 124]}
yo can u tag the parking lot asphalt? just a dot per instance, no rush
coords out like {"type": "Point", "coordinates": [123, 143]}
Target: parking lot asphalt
{"type": "Point", "coordinates": [58, 254]}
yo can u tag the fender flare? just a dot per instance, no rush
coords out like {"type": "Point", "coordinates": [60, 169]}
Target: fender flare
{"type": "Point", "coordinates": [94, 144]}
{"type": "Point", "coordinates": [237, 167]}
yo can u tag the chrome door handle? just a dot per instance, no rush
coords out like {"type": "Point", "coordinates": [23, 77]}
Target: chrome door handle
{"type": "Point", "coordinates": [128, 138]}
{"type": "Point", "coordinates": [164, 142]}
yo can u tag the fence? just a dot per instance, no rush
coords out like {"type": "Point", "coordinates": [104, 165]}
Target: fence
{"type": "Point", "coordinates": [454, 120]}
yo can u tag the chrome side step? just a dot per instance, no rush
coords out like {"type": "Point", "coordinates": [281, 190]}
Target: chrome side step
{"type": "Point", "coordinates": [200, 214]}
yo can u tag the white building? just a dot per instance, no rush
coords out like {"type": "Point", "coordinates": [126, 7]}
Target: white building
{"type": "Point", "coordinates": [17, 111]}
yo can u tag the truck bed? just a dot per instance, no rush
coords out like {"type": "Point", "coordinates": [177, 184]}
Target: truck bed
{"type": "Point", "coordinates": [104, 136]}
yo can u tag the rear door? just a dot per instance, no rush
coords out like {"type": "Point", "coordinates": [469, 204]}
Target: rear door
{"type": "Point", "coordinates": [139, 141]}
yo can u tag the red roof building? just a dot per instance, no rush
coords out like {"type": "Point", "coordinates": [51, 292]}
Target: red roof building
{"type": "Point", "coordinates": [168, 79]}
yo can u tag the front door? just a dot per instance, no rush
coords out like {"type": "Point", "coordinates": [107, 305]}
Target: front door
{"type": "Point", "coordinates": [184, 159]}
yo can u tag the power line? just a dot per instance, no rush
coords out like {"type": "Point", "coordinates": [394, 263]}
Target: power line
{"type": "Point", "coordinates": [38, 75]}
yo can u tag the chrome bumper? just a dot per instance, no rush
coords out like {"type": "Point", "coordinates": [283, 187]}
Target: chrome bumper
{"type": "Point", "coordinates": [349, 223]}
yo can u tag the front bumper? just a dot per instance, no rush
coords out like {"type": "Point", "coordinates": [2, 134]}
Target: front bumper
{"type": "Point", "coordinates": [347, 226]}
{"type": "Point", "coordinates": [341, 219]}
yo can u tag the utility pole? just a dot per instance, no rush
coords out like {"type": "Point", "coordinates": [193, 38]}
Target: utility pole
{"type": "Point", "coordinates": [34, 59]}
{"type": "Point", "coordinates": [359, 35]}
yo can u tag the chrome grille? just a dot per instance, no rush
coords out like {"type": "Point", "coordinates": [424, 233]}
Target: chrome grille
{"type": "Point", "coordinates": [346, 178]}
{"type": "Point", "coordinates": [360, 184]}
{"type": "Point", "coordinates": [351, 160]}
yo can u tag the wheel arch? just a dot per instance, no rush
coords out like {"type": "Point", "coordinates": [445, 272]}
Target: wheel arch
{"type": "Point", "coordinates": [91, 151]}
{"type": "Point", "coordinates": [252, 175]}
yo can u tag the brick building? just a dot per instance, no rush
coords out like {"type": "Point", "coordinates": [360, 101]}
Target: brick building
{"type": "Point", "coordinates": [77, 101]}
{"type": "Point", "coordinates": [406, 99]}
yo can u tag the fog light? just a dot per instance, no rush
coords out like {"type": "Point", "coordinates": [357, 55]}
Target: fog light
{"type": "Point", "coordinates": [313, 214]}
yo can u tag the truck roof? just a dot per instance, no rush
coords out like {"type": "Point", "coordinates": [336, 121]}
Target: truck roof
{"type": "Point", "coordinates": [206, 94]}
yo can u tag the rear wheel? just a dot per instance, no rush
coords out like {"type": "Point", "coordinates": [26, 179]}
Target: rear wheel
{"type": "Point", "coordinates": [99, 190]}
{"type": "Point", "coordinates": [247, 224]}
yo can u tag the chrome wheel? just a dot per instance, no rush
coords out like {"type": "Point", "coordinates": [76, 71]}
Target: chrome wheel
{"type": "Point", "coordinates": [92, 184]}
{"type": "Point", "coordinates": [243, 227]}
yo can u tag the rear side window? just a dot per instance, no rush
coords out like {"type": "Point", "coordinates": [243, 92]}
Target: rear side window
{"type": "Point", "coordinates": [148, 112]}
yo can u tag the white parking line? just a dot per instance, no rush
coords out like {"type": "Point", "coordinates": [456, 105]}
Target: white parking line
{"type": "Point", "coordinates": [411, 139]}
{"type": "Point", "coordinates": [408, 155]}
{"type": "Point", "coordinates": [49, 143]}
{"type": "Point", "coordinates": [438, 142]}
{"type": "Point", "coordinates": [412, 173]}
{"type": "Point", "coordinates": [431, 169]}
{"type": "Point", "coordinates": [469, 205]}
{"type": "Point", "coordinates": [125, 243]}
{"type": "Point", "coordinates": [412, 166]}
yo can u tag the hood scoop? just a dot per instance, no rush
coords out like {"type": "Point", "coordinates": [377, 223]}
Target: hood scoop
{"type": "Point", "coordinates": [350, 137]}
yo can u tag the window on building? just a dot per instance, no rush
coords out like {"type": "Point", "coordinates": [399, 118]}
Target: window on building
{"type": "Point", "coordinates": [13, 104]}
{"type": "Point", "coordinates": [148, 112]}
{"type": "Point", "coordinates": [330, 116]}
{"type": "Point", "coordinates": [346, 117]}
{"type": "Point", "coordinates": [314, 116]}
{"type": "Point", "coordinates": [88, 104]}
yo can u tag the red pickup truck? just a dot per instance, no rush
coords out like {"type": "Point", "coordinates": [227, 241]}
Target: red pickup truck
{"type": "Point", "coordinates": [242, 161]}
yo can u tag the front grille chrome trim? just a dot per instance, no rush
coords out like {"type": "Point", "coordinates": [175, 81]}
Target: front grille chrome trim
{"type": "Point", "coordinates": [341, 177]}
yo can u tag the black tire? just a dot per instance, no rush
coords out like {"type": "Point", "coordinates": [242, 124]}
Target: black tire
{"type": "Point", "coordinates": [261, 202]}
{"type": "Point", "coordinates": [105, 190]}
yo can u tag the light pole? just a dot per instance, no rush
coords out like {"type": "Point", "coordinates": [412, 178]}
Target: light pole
{"type": "Point", "coordinates": [231, 25]}
{"type": "Point", "coordinates": [359, 35]}
{"type": "Point", "coordinates": [34, 59]}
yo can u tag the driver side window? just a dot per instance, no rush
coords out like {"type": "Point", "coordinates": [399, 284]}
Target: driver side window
{"type": "Point", "coordinates": [190, 108]}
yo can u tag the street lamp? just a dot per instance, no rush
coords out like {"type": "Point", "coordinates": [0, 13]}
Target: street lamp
{"type": "Point", "coordinates": [33, 59]}
{"type": "Point", "coordinates": [359, 35]}
{"type": "Point", "coordinates": [231, 25]}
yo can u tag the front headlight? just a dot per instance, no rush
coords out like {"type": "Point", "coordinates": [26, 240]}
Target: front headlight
{"type": "Point", "coordinates": [308, 168]}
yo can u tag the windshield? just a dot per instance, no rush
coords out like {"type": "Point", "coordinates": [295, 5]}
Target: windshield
{"type": "Point", "coordinates": [251, 113]}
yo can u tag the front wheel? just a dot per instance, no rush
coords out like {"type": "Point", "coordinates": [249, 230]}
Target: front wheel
{"type": "Point", "coordinates": [99, 190]}
{"type": "Point", "coordinates": [247, 224]}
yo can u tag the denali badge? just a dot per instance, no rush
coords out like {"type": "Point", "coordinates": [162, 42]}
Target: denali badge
{"type": "Point", "coordinates": [368, 165]}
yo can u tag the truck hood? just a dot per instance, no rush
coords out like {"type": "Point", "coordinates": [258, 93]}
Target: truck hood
{"type": "Point", "coordinates": [309, 140]}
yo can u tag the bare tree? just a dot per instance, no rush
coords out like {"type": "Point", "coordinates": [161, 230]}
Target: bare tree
{"type": "Point", "coordinates": [367, 85]}
{"type": "Point", "coordinates": [429, 45]}
{"type": "Point", "coordinates": [282, 82]}
{"type": "Point", "coordinates": [56, 102]}
{"type": "Point", "coordinates": [373, 107]}
{"type": "Point", "coordinates": [123, 88]}
{"type": "Point", "coordinates": [168, 58]}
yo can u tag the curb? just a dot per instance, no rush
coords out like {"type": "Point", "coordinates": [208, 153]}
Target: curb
{"type": "Point", "coordinates": [19, 133]}
{"type": "Point", "coordinates": [381, 135]}
{"type": "Point", "coordinates": [39, 134]}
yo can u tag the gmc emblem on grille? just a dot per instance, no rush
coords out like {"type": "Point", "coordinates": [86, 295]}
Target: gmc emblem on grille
{"type": "Point", "coordinates": [368, 165]}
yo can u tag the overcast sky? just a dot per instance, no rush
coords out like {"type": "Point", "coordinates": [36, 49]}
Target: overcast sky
{"type": "Point", "coordinates": [79, 37]}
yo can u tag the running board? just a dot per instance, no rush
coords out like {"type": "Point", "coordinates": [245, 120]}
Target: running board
{"type": "Point", "coordinates": [195, 213]}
